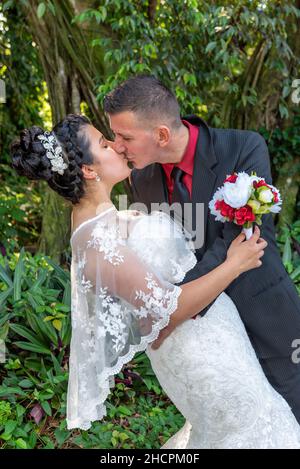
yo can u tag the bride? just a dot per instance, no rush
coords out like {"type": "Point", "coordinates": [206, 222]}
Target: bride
{"type": "Point", "coordinates": [125, 267]}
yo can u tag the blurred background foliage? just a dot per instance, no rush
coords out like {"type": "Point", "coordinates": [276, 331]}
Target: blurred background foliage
{"type": "Point", "coordinates": [235, 64]}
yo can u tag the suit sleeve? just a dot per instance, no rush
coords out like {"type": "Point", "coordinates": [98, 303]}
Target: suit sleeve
{"type": "Point", "coordinates": [254, 156]}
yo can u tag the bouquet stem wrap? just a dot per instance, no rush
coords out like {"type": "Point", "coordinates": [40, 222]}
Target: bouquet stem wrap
{"type": "Point", "coordinates": [248, 232]}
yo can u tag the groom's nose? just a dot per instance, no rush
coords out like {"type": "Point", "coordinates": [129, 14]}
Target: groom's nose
{"type": "Point", "coordinates": [116, 145]}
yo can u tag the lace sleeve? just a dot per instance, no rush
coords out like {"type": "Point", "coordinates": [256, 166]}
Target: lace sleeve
{"type": "Point", "coordinates": [160, 242]}
{"type": "Point", "coordinates": [119, 305]}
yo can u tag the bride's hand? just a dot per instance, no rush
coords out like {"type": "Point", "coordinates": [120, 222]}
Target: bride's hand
{"type": "Point", "coordinates": [245, 255]}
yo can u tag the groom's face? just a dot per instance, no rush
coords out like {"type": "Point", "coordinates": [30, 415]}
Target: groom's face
{"type": "Point", "coordinates": [134, 138]}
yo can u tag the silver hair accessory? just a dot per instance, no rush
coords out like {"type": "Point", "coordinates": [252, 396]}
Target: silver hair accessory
{"type": "Point", "coordinates": [54, 152]}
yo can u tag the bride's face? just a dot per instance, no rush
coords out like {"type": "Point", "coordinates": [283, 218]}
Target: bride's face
{"type": "Point", "coordinates": [109, 165]}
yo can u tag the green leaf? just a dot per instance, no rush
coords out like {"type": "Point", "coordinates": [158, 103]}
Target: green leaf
{"type": "Point", "coordinates": [32, 347]}
{"type": "Point", "coordinates": [41, 10]}
{"type": "Point", "coordinates": [33, 364]}
{"type": "Point", "coordinates": [283, 111]}
{"type": "Point", "coordinates": [148, 382]}
{"type": "Point", "coordinates": [43, 328]}
{"type": "Point", "coordinates": [48, 318]}
{"type": "Point", "coordinates": [56, 364]}
{"type": "Point", "coordinates": [244, 100]}
{"type": "Point", "coordinates": [286, 91]}
{"type": "Point", "coordinates": [57, 324]}
{"type": "Point", "coordinates": [61, 436]}
{"type": "Point", "coordinates": [10, 426]}
{"type": "Point", "coordinates": [4, 295]}
{"type": "Point", "coordinates": [47, 408]}
{"type": "Point", "coordinates": [20, 410]}
{"type": "Point", "coordinates": [5, 436]}
{"type": "Point", "coordinates": [26, 383]}
{"type": "Point", "coordinates": [295, 274]}
{"type": "Point", "coordinates": [24, 332]}
{"type": "Point", "coordinates": [43, 274]}
{"type": "Point", "coordinates": [61, 273]}
{"type": "Point", "coordinates": [103, 12]}
{"type": "Point", "coordinates": [211, 46]}
{"type": "Point", "coordinates": [19, 271]}
{"type": "Point", "coordinates": [287, 252]}
{"type": "Point", "coordinates": [124, 410]}
{"type": "Point", "coordinates": [51, 8]}
{"type": "Point", "coordinates": [4, 331]}
{"type": "Point", "coordinates": [20, 433]}
{"type": "Point", "coordinates": [7, 391]}
{"type": "Point", "coordinates": [8, 4]}
{"type": "Point", "coordinates": [32, 440]}
{"type": "Point", "coordinates": [64, 308]}
{"type": "Point", "coordinates": [5, 277]}
{"type": "Point", "coordinates": [20, 443]}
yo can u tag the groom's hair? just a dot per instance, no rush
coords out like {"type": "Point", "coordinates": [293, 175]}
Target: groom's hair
{"type": "Point", "coordinates": [146, 96]}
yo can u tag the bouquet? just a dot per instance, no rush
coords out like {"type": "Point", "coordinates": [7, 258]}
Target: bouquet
{"type": "Point", "coordinates": [243, 199]}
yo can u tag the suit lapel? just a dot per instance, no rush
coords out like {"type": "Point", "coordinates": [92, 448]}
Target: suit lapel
{"type": "Point", "coordinates": [204, 177]}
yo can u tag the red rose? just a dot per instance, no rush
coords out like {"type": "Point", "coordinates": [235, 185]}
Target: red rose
{"type": "Point", "coordinates": [244, 214]}
{"type": "Point", "coordinates": [231, 178]}
{"type": "Point", "coordinates": [276, 198]}
{"type": "Point", "coordinates": [258, 184]}
{"type": "Point", "coordinates": [225, 209]}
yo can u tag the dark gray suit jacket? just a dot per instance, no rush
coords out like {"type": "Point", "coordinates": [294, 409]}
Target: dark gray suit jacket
{"type": "Point", "coordinates": [266, 298]}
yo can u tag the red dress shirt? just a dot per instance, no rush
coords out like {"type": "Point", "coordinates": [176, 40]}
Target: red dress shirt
{"type": "Point", "coordinates": [187, 162]}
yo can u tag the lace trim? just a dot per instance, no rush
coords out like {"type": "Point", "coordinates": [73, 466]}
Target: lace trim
{"type": "Point", "coordinates": [191, 261]}
{"type": "Point", "coordinates": [133, 349]}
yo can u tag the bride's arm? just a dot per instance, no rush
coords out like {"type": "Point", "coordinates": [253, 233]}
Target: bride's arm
{"type": "Point", "coordinates": [197, 294]}
{"type": "Point", "coordinates": [112, 269]}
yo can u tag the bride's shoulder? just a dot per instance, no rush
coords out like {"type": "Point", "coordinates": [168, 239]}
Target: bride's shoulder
{"type": "Point", "coordinates": [137, 215]}
{"type": "Point", "coordinates": [130, 214]}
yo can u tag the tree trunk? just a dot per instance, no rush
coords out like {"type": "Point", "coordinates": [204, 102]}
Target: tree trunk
{"type": "Point", "coordinates": [71, 70]}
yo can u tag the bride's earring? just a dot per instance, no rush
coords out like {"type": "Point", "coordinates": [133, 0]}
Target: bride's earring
{"type": "Point", "coordinates": [98, 179]}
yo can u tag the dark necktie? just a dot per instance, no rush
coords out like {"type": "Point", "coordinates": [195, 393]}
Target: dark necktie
{"type": "Point", "coordinates": [180, 191]}
{"type": "Point", "coordinates": [180, 196]}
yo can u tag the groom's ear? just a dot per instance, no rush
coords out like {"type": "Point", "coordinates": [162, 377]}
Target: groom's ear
{"type": "Point", "coordinates": [163, 135]}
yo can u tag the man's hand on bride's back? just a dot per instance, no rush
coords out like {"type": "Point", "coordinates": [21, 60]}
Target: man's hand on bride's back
{"type": "Point", "coordinates": [246, 255]}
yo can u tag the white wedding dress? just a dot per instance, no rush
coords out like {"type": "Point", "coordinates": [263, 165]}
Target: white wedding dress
{"type": "Point", "coordinates": [124, 269]}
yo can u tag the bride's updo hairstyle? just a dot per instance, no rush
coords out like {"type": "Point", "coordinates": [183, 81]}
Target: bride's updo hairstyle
{"type": "Point", "coordinates": [56, 156]}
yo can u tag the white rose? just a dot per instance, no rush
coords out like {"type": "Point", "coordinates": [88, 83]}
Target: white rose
{"type": "Point", "coordinates": [265, 196]}
{"type": "Point", "coordinates": [237, 194]}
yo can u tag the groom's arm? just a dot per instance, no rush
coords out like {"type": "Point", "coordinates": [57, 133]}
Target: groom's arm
{"type": "Point", "coordinates": [254, 156]}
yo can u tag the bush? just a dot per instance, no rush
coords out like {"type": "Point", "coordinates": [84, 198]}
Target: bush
{"type": "Point", "coordinates": [35, 325]}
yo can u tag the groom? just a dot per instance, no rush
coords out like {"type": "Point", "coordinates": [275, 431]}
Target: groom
{"type": "Point", "coordinates": [183, 160]}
